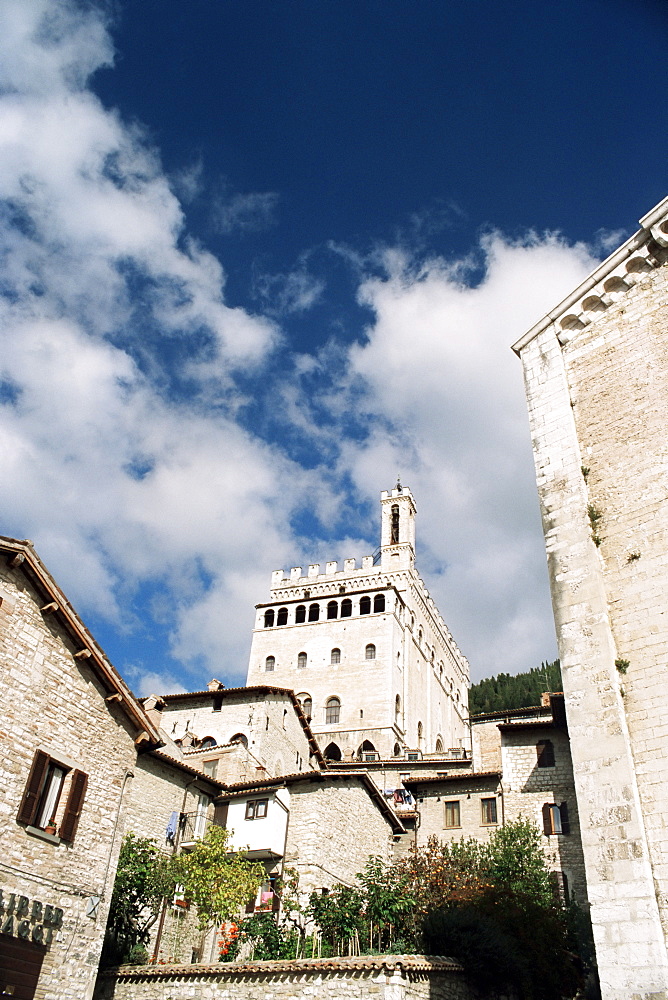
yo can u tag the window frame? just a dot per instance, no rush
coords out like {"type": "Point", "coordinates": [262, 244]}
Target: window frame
{"type": "Point", "coordinates": [282, 616]}
{"type": "Point", "coordinates": [370, 651]}
{"type": "Point", "coordinates": [300, 614]}
{"type": "Point", "coordinates": [332, 610]}
{"type": "Point", "coordinates": [346, 608]}
{"type": "Point", "coordinates": [332, 705]}
{"type": "Point", "coordinates": [365, 605]}
{"type": "Point", "coordinates": [379, 604]}
{"type": "Point", "coordinates": [302, 660]}
{"type": "Point", "coordinates": [270, 664]}
{"type": "Point", "coordinates": [335, 656]}
{"type": "Point", "coordinates": [256, 809]}
{"type": "Point", "coordinates": [269, 618]}
{"type": "Point", "coordinates": [32, 809]}
{"type": "Point", "coordinates": [453, 806]}
{"type": "Point", "coordinates": [491, 803]}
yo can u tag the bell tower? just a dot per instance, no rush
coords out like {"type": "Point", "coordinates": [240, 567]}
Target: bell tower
{"type": "Point", "coordinates": [397, 532]}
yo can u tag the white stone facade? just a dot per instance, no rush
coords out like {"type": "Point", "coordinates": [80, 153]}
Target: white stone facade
{"type": "Point", "coordinates": [365, 648]}
{"type": "Point", "coordinates": [596, 376]}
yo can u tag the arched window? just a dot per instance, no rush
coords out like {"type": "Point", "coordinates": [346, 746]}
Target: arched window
{"type": "Point", "coordinates": [306, 703]}
{"type": "Point", "coordinates": [207, 743]}
{"type": "Point", "coordinates": [332, 752]}
{"type": "Point", "coordinates": [314, 612]}
{"type": "Point", "coordinates": [332, 711]}
{"type": "Point", "coordinates": [300, 614]}
{"type": "Point", "coordinates": [439, 745]}
{"type": "Point", "coordinates": [269, 618]}
{"type": "Point", "coordinates": [394, 536]}
{"type": "Point", "coordinates": [370, 652]}
{"type": "Point", "coordinates": [239, 738]}
{"type": "Point", "coordinates": [397, 750]}
{"type": "Point", "coordinates": [419, 735]}
{"type": "Point", "coordinates": [365, 606]}
{"type": "Point", "coordinates": [270, 663]}
{"type": "Point", "coordinates": [379, 602]}
{"type": "Point", "coordinates": [282, 617]}
{"type": "Point", "coordinates": [346, 608]}
{"type": "Point", "coordinates": [335, 655]}
{"type": "Point", "coordinates": [397, 709]}
{"type": "Point", "coordinates": [420, 636]}
{"type": "Point", "coordinates": [332, 609]}
{"type": "Point", "coordinates": [366, 748]}
{"type": "Point", "coordinates": [301, 661]}
{"type": "Point", "coordinates": [545, 753]}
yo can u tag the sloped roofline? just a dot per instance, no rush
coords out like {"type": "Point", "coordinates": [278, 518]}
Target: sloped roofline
{"type": "Point", "coordinates": [318, 777]}
{"type": "Point", "coordinates": [652, 227]}
{"type": "Point", "coordinates": [27, 560]}
{"type": "Point", "coordinates": [259, 689]}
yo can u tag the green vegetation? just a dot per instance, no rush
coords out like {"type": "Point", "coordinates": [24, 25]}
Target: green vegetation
{"type": "Point", "coordinates": [505, 692]}
{"type": "Point", "coordinates": [217, 882]}
{"type": "Point", "coordinates": [492, 906]}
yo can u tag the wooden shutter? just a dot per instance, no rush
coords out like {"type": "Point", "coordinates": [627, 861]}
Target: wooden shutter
{"type": "Point", "coordinates": [220, 813]}
{"type": "Point", "coordinates": [74, 805]}
{"type": "Point", "coordinates": [565, 823]}
{"type": "Point", "coordinates": [547, 819]}
{"type": "Point", "coordinates": [33, 789]}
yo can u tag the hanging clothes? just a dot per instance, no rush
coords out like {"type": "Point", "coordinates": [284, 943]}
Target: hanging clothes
{"type": "Point", "coordinates": [170, 832]}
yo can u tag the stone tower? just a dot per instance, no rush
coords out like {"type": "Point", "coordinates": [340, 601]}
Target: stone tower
{"type": "Point", "coordinates": [365, 649]}
{"type": "Point", "coordinates": [596, 375]}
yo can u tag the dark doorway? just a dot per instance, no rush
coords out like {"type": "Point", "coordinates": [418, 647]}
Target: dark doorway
{"type": "Point", "coordinates": [20, 966]}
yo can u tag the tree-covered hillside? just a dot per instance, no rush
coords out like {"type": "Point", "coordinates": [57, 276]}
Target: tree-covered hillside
{"type": "Point", "coordinates": [494, 694]}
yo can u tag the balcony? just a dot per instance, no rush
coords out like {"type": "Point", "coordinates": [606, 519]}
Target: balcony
{"type": "Point", "coordinates": [192, 827]}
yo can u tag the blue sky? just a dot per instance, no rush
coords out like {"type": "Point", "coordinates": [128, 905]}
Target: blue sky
{"type": "Point", "coordinates": [260, 257]}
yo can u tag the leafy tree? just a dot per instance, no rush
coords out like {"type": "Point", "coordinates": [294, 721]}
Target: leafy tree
{"type": "Point", "coordinates": [143, 879]}
{"type": "Point", "coordinates": [217, 882]}
{"type": "Point", "coordinates": [389, 903]}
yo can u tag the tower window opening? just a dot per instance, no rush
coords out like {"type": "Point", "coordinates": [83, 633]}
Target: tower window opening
{"type": "Point", "coordinates": [270, 663]}
{"type": "Point", "coordinates": [332, 711]}
{"type": "Point", "coordinates": [370, 652]}
{"type": "Point", "coordinates": [346, 608]}
{"type": "Point", "coordinates": [300, 614]}
{"type": "Point", "coordinates": [269, 618]}
{"type": "Point", "coordinates": [332, 752]}
{"type": "Point", "coordinates": [301, 661]}
{"type": "Point", "coordinates": [333, 609]}
{"type": "Point", "coordinates": [394, 535]}
{"type": "Point", "coordinates": [335, 655]}
{"type": "Point", "coordinates": [365, 606]}
{"type": "Point", "coordinates": [419, 735]}
{"type": "Point", "coordinates": [314, 612]}
{"type": "Point", "coordinates": [282, 616]}
{"type": "Point", "coordinates": [397, 709]}
{"type": "Point", "coordinates": [379, 602]}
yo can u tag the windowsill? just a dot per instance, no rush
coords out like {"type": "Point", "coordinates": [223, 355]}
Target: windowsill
{"type": "Point", "coordinates": [35, 831]}
{"type": "Point", "coordinates": [489, 824]}
{"type": "Point", "coordinates": [452, 827]}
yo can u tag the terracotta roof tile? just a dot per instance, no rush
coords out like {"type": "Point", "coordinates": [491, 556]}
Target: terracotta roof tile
{"type": "Point", "coordinates": [224, 970]}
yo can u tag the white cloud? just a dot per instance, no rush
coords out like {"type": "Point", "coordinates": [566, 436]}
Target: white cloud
{"type": "Point", "coordinates": [245, 213]}
{"type": "Point", "coordinates": [441, 376]}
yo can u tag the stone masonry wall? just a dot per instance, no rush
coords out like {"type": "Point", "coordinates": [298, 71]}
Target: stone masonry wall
{"type": "Point", "coordinates": [334, 828]}
{"type": "Point", "coordinates": [50, 701]}
{"type": "Point", "coordinates": [599, 412]}
{"type": "Point", "coordinates": [527, 788]}
{"type": "Point", "coordinates": [393, 978]}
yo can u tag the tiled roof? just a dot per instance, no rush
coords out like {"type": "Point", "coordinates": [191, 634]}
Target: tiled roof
{"type": "Point", "coordinates": [507, 727]}
{"type": "Point", "coordinates": [25, 557]}
{"type": "Point", "coordinates": [319, 777]}
{"type": "Point", "coordinates": [175, 762]}
{"type": "Point", "coordinates": [258, 689]}
{"type": "Point", "coordinates": [509, 713]}
{"type": "Point", "coordinates": [471, 776]}
{"type": "Point", "coordinates": [224, 970]}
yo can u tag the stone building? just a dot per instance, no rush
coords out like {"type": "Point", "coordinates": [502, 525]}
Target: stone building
{"type": "Point", "coordinates": [70, 733]}
{"type": "Point", "coordinates": [365, 649]}
{"type": "Point", "coordinates": [596, 377]}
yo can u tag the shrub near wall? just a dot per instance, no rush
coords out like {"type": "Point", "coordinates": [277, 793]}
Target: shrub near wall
{"type": "Point", "coordinates": [391, 977]}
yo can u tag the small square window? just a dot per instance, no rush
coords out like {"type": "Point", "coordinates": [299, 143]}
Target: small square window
{"type": "Point", "coordinates": [256, 808]}
{"type": "Point", "coordinates": [488, 811]}
{"type": "Point", "coordinates": [452, 819]}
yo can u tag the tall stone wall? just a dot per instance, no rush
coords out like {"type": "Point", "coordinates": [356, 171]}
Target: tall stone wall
{"type": "Point", "coordinates": [596, 375]}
